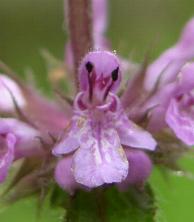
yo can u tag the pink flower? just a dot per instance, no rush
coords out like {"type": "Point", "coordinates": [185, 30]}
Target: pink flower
{"type": "Point", "coordinates": [99, 126]}
{"type": "Point", "coordinates": [17, 140]}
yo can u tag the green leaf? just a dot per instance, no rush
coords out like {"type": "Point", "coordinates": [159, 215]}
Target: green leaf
{"type": "Point", "coordinates": [131, 206]}
{"type": "Point", "coordinates": [58, 197]}
{"type": "Point", "coordinates": [110, 205]}
{"type": "Point", "coordinates": [83, 207]}
{"type": "Point", "coordinates": [26, 210]}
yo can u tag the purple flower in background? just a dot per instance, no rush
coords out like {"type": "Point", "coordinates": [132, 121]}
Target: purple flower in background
{"type": "Point", "coordinates": [175, 106]}
{"type": "Point", "coordinates": [180, 113]}
{"type": "Point", "coordinates": [17, 140]}
{"type": "Point", "coordinates": [99, 126]}
{"type": "Point", "coordinates": [168, 65]}
{"type": "Point", "coordinates": [167, 97]}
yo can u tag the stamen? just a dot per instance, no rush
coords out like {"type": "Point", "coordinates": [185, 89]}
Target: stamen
{"type": "Point", "coordinates": [108, 90]}
{"type": "Point", "coordinates": [114, 75]}
{"type": "Point", "coordinates": [89, 67]}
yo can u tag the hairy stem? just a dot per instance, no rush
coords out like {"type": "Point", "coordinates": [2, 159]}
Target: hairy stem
{"type": "Point", "coordinates": [80, 30]}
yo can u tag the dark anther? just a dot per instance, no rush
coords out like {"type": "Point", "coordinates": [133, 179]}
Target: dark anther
{"type": "Point", "coordinates": [115, 74]}
{"type": "Point", "coordinates": [89, 67]}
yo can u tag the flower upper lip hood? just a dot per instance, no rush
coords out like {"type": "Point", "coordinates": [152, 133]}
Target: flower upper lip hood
{"type": "Point", "coordinates": [99, 126]}
{"type": "Point", "coordinates": [103, 64]}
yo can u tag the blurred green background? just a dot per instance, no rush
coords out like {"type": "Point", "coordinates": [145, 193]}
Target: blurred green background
{"type": "Point", "coordinates": [27, 26]}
